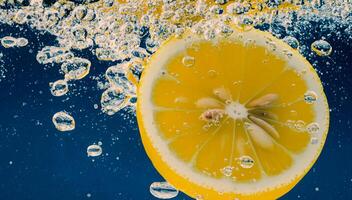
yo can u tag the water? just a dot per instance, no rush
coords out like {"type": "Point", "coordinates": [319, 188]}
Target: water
{"type": "Point", "coordinates": [57, 161]}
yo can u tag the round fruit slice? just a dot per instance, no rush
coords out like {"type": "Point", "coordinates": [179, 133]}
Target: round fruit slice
{"type": "Point", "coordinates": [243, 116]}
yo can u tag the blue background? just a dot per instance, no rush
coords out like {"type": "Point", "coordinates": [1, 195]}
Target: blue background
{"type": "Point", "coordinates": [38, 162]}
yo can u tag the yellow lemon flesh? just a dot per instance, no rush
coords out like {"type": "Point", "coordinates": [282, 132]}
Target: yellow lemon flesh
{"type": "Point", "coordinates": [243, 116]}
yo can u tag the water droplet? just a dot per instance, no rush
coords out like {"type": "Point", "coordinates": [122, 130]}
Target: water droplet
{"type": "Point", "coordinates": [292, 41]}
{"type": "Point", "coordinates": [63, 121]}
{"type": "Point", "coordinates": [163, 190]}
{"type": "Point", "coordinates": [321, 47]}
{"type": "Point", "coordinates": [313, 128]}
{"type": "Point", "coordinates": [310, 97]}
{"type": "Point", "coordinates": [59, 88]}
{"type": "Point", "coordinates": [94, 150]}
{"type": "Point", "coordinates": [227, 171]}
{"type": "Point", "coordinates": [246, 162]}
{"type": "Point", "coordinates": [188, 61]}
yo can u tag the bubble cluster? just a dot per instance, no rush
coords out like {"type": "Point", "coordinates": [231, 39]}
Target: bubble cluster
{"type": "Point", "coordinates": [127, 33]}
{"type": "Point", "coordinates": [9, 42]}
{"type": "Point", "coordinates": [132, 30]}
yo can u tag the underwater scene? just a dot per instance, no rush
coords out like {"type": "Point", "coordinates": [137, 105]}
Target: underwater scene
{"type": "Point", "coordinates": [176, 99]}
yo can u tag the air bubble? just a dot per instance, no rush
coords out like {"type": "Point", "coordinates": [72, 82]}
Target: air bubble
{"type": "Point", "coordinates": [246, 162]}
{"type": "Point", "coordinates": [63, 121]}
{"type": "Point", "coordinates": [76, 68]}
{"type": "Point", "coordinates": [94, 150]}
{"type": "Point", "coordinates": [321, 48]}
{"type": "Point", "coordinates": [113, 100]}
{"type": "Point", "coordinates": [163, 190]}
{"type": "Point", "coordinates": [21, 42]}
{"type": "Point", "coordinates": [188, 61]}
{"type": "Point", "coordinates": [8, 41]}
{"type": "Point", "coordinates": [314, 140]}
{"type": "Point", "coordinates": [310, 97]}
{"type": "Point", "coordinates": [227, 171]}
{"type": "Point", "coordinates": [212, 73]}
{"type": "Point", "coordinates": [300, 126]}
{"type": "Point", "coordinates": [59, 88]}
{"type": "Point", "coordinates": [313, 128]}
{"type": "Point", "coordinates": [116, 75]}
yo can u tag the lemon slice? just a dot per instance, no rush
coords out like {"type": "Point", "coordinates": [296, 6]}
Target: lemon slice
{"type": "Point", "coordinates": [237, 117]}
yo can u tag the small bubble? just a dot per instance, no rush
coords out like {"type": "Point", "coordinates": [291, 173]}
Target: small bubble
{"type": "Point", "coordinates": [188, 61]}
{"type": "Point", "coordinates": [314, 140]}
{"type": "Point", "coordinates": [321, 48]}
{"type": "Point", "coordinates": [293, 113]}
{"type": "Point", "coordinates": [199, 197]}
{"type": "Point", "coordinates": [246, 162]}
{"type": "Point", "coordinates": [63, 121]}
{"type": "Point", "coordinates": [113, 100]}
{"type": "Point", "coordinates": [212, 73]}
{"type": "Point", "coordinates": [76, 68]}
{"type": "Point", "coordinates": [21, 42]}
{"type": "Point", "coordinates": [227, 171]}
{"type": "Point", "coordinates": [59, 88]}
{"type": "Point", "coordinates": [96, 106]}
{"type": "Point", "coordinates": [313, 128]}
{"type": "Point", "coordinates": [8, 41]}
{"type": "Point", "coordinates": [94, 150]}
{"type": "Point", "coordinates": [300, 126]}
{"type": "Point", "coordinates": [163, 190]}
{"type": "Point", "coordinates": [310, 97]}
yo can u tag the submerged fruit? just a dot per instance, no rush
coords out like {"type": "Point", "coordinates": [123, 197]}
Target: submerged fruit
{"type": "Point", "coordinates": [238, 120]}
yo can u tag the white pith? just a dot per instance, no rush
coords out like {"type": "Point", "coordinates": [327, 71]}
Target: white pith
{"type": "Point", "coordinates": [236, 110]}
{"type": "Point", "coordinates": [302, 162]}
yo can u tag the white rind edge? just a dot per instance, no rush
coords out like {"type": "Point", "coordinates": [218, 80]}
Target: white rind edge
{"type": "Point", "coordinates": [226, 185]}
